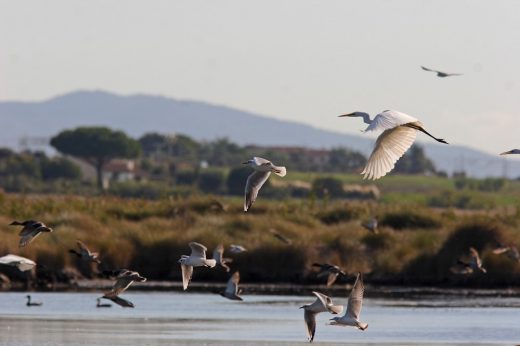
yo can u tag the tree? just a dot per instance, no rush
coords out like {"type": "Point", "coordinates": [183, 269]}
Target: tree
{"type": "Point", "coordinates": [96, 145]}
{"type": "Point", "coordinates": [414, 162]}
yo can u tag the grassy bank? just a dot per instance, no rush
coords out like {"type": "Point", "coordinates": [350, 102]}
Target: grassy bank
{"type": "Point", "coordinates": [416, 244]}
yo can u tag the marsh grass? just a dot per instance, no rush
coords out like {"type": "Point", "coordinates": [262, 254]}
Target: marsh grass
{"type": "Point", "coordinates": [415, 245]}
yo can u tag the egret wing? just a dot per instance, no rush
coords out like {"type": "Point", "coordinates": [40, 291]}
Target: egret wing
{"type": "Point", "coordinates": [390, 119]}
{"type": "Point", "coordinates": [253, 185]}
{"type": "Point", "coordinates": [390, 146]}
{"type": "Point", "coordinates": [355, 300]}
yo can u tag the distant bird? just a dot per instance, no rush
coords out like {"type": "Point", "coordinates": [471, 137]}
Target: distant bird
{"type": "Point", "coordinates": [218, 256]}
{"type": "Point", "coordinates": [509, 251]}
{"type": "Point", "coordinates": [399, 132]}
{"type": "Point", "coordinates": [31, 229]}
{"type": "Point", "coordinates": [23, 264]}
{"type": "Point", "coordinates": [329, 270]}
{"type": "Point", "coordinates": [463, 266]}
{"type": "Point", "coordinates": [355, 301]}
{"type": "Point", "coordinates": [236, 249]}
{"type": "Point", "coordinates": [232, 292]}
{"type": "Point", "coordinates": [31, 303]}
{"type": "Point", "coordinates": [118, 300]}
{"type": "Point", "coordinates": [263, 169]}
{"type": "Point", "coordinates": [514, 151]}
{"type": "Point", "coordinates": [99, 305]}
{"type": "Point", "coordinates": [197, 258]}
{"type": "Point", "coordinates": [124, 278]}
{"type": "Point", "coordinates": [84, 253]}
{"type": "Point", "coordinates": [371, 225]}
{"type": "Point", "coordinates": [322, 304]}
{"type": "Point", "coordinates": [440, 73]}
{"type": "Point", "coordinates": [280, 237]}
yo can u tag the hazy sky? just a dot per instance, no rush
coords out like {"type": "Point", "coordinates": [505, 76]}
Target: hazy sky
{"type": "Point", "coordinates": [291, 59]}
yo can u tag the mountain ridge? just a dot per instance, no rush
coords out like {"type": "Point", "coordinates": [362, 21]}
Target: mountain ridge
{"type": "Point", "coordinates": [139, 113]}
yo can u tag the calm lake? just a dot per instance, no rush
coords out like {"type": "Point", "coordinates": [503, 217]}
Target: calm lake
{"type": "Point", "coordinates": [172, 318]}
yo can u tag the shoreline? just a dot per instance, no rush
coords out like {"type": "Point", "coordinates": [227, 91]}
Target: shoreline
{"type": "Point", "coordinates": [372, 291]}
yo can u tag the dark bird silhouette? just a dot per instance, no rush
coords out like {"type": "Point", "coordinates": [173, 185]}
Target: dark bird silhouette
{"type": "Point", "coordinates": [31, 229]}
{"type": "Point", "coordinates": [31, 303]}
{"type": "Point", "coordinates": [331, 271]}
{"type": "Point", "coordinates": [440, 73]}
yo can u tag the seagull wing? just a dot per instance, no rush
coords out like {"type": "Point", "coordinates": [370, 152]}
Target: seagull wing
{"type": "Point", "coordinates": [310, 321]}
{"type": "Point", "coordinates": [198, 250]}
{"type": "Point", "coordinates": [119, 301]}
{"type": "Point", "coordinates": [327, 303]}
{"type": "Point", "coordinates": [331, 279]}
{"type": "Point", "coordinates": [253, 185]}
{"type": "Point", "coordinates": [260, 161]}
{"type": "Point", "coordinates": [428, 69]}
{"type": "Point", "coordinates": [232, 284]}
{"type": "Point", "coordinates": [218, 253]}
{"type": "Point", "coordinates": [355, 300]}
{"type": "Point", "coordinates": [390, 146]}
{"type": "Point", "coordinates": [82, 246]}
{"type": "Point", "coordinates": [28, 237]}
{"type": "Point", "coordinates": [187, 272]}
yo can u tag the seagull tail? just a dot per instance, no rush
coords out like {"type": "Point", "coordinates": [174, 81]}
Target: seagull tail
{"type": "Point", "coordinates": [280, 171]}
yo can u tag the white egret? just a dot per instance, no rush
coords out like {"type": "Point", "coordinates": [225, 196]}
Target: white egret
{"type": "Point", "coordinates": [263, 169]}
{"type": "Point", "coordinates": [440, 73]}
{"type": "Point", "coordinates": [399, 131]}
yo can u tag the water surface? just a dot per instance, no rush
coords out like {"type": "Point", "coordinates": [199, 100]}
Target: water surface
{"type": "Point", "coordinates": [173, 318]}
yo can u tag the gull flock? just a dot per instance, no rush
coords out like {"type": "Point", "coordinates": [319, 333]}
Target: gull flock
{"type": "Point", "coordinates": [399, 131]}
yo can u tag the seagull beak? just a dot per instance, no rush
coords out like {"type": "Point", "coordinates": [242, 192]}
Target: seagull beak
{"type": "Point", "coordinates": [346, 115]}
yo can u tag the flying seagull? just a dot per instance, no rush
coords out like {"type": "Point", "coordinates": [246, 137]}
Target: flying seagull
{"type": "Point", "coordinates": [197, 258]}
{"type": "Point", "coordinates": [23, 264]}
{"type": "Point", "coordinates": [31, 229]}
{"type": "Point", "coordinates": [235, 249]}
{"type": "Point", "coordinates": [263, 169]}
{"type": "Point", "coordinates": [355, 301]}
{"type": "Point", "coordinates": [218, 256]}
{"type": "Point", "coordinates": [329, 270]}
{"type": "Point", "coordinates": [371, 225]}
{"type": "Point", "coordinates": [440, 73]}
{"type": "Point", "coordinates": [322, 304]}
{"type": "Point", "coordinates": [232, 292]}
{"type": "Point", "coordinates": [399, 131]}
{"type": "Point", "coordinates": [84, 253]}
{"type": "Point", "coordinates": [510, 251]}
{"type": "Point", "coordinates": [280, 236]}
{"type": "Point", "coordinates": [466, 267]}
{"type": "Point", "coordinates": [124, 278]}
{"type": "Point", "coordinates": [514, 151]}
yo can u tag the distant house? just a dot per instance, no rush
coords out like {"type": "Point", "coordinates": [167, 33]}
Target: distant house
{"type": "Point", "coordinates": [117, 170]}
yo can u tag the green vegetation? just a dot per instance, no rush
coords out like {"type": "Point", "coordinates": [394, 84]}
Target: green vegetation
{"type": "Point", "coordinates": [150, 235]}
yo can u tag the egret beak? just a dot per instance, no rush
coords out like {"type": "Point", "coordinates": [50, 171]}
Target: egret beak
{"type": "Point", "coordinates": [346, 115]}
{"type": "Point", "coordinates": [507, 152]}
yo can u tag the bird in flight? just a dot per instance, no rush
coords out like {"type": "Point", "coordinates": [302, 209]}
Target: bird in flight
{"type": "Point", "coordinates": [322, 303]}
{"type": "Point", "coordinates": [399, 132]}
{"type": "Point", "coordinates": [468, 264]}
{"type": "Point", "coordinates": [232, 292]}
{"type": "Point", "coordinates": [31, 229]}
{"type": "Point", "coordinates": [331, 271]}
{"type": "Point", "coordinates": [355, 301]}
{"type": "Point", "coordinates": [84, 253]}
{"type": "Point", "coordinates": [197, 258]}
{"type": "Point", "coordinates": [263, 169]}
{"type": "Point", "coordinates": [440, 73]}
{"type": "Point", "coordinates": [514, 151]}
